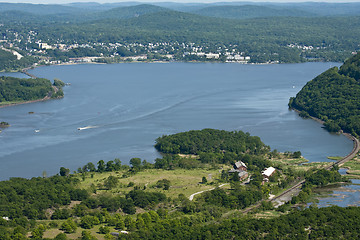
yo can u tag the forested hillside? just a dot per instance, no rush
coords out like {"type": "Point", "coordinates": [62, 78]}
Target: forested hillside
{"type": "Point", "coordinates": [334, 96]}
{"type": "Point", "coordinates": [8, 61]}
{"type": "Point", "coordinates": [250, 11]}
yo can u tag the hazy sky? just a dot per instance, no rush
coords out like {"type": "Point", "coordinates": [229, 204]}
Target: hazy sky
{"type": "Point", "coordinates": [186, 1]}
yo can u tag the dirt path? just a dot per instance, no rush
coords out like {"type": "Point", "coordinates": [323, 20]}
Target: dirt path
{"type": "Point", "coordinates": [194, 194]}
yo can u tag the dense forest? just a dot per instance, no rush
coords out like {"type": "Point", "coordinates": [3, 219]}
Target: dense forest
{"type": "Point", "coordinates": [27, 89]}
{"type": "Point", "coordinates": [210, 140]}
{"type": "Point", "coordinates": [334, 97]}
{"type": "Point", "coordinates": [313, 223]}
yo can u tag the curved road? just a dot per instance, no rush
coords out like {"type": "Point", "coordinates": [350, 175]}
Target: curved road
{"type": "Point", "coordinates": [194, 194]}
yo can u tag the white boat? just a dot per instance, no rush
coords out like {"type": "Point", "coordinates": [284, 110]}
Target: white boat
{"type": "Point", "coordinates": [37, 130]}
{"type": "Point", "coordinates": [87, 127]}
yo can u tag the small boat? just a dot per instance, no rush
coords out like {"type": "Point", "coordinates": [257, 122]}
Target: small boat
{"type": "Point", "coordinates": [87, 127]}
{"type": "Point", "coordinates": [37, 130]}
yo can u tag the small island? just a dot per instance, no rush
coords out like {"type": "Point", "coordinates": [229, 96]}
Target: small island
{"type": "Point", "coordinates": [4, 124]}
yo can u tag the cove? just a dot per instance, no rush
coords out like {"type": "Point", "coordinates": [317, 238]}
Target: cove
{"type": "Point", "coordinates": [128, 106]}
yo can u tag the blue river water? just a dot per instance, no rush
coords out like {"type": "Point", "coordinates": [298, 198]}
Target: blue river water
{"type": "Point", "coordinates": [127, 106]}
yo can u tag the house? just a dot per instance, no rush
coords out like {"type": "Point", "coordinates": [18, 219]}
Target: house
{"type": "Point", "coordinates": [267, 173]}
{"type": "Point", "coordinates": [240, 165]}
{"type": "Point", "coordinates": [241, 173]}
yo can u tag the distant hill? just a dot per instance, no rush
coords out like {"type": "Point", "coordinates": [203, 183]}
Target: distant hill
{"type": "Point", "coordinates": [249, 11]}
{"type": "Point", "coordinates": [130, 12]}
{"type": "Point", "coordinates": [72, 15]}
{"type": "Point", "coordinates": [41, 9]}
{"type": "Point", "coordinates": [334, 96]}
{"type": "Point", "coordinates": [237, 10]}
{"type": "Point", "coordinates": [327, 9]}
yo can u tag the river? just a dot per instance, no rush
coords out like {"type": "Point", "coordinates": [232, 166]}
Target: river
{"type": "Point", "coordinates": [130, 105]}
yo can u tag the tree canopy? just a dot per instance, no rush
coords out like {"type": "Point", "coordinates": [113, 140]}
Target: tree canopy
{"type": "Point", "coordinates": [334, 96]}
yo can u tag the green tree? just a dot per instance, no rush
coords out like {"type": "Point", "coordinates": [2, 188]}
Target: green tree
{"type": "Point", "coordinates": [69, 226]}
{"type": "Point", "coordinates": [111, 182]}
{"type": "Point", "coordinates": [86, 235]}
{"type": "Point", "coordinates": [296, 154]}
{"type": "Point", "coordinates": [203, 180]}
{"type": "Point", "coordinates": [88, 221]}
{"type": "Point", "coordinates": [101, 166]}
{"type": "Point", "coordinates": [38, 232]}
{"type": "Point", "coordinates": [135, 163]}
{"type": "Point", "coordinates": [61, 236]}
{"type": "Point", "coordinates": [90, 167]}
{"type": "Point", "coordinates": [120, 224]}
{"type": "Point", "coordinates": [104, 229]}
{"type": "Point", "coordinates": [64, 171]}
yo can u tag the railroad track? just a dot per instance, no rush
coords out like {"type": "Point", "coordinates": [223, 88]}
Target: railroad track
{"type": "Point", "coordinates": [350, 156]}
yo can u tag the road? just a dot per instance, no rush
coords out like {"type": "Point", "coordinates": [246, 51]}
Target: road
{"type": "Point", "coordinates": [293, 189]}
{"type": "Point", "coordinates": [350, 156]}
{"type": "Point", "coordinates": [194, 194]}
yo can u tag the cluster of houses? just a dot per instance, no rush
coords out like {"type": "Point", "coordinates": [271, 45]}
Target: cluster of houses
{"type": "Point", "coordinates": [241, 169]}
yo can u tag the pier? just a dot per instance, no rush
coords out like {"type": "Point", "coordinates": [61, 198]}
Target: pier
{"type": "Point", "coordinates": [28, 74]}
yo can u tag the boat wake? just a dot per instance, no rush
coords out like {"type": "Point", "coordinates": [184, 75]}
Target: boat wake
{"type": "Point", "coordinates": [87, 127]}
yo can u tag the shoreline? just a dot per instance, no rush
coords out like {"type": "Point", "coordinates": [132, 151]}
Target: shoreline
{"type": "Point", "coordinates": [356, 142]}
{"type": "Point", "coordinates": [26, 102]}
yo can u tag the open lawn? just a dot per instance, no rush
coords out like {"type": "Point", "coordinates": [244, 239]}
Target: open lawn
{"type": "Point", "coordinates": [52, 232]}
{"type": "Point", "coordinates": [298, 164]}
{"type": "Point", "coordinates": [182, 181]}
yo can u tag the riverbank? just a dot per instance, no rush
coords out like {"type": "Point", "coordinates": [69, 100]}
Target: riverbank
{"type": "Point", "coordinates": [26, 102]}
{"type": "Point", "coordinates": [356, 142]}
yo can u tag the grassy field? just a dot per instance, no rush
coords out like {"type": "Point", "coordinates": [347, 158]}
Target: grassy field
{"type": "Point", "coordinates": [52, 232]}
{"type": "Point", "coordinates": [354, 168]}
{"type": "Point", "coordinates": [336, 158]}
{"type": "Point", "coordinates": [298, 164]}
{"type": "Point", "coordinates": [182, 181]}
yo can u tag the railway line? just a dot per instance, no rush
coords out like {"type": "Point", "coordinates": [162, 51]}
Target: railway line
{"type": "Point", "coordinates": [348, 157]}
{"type": "Point", "coordinates": [296, 186]}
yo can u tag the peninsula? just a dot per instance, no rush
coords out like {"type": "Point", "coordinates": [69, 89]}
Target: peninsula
{"type": "Point", "coordinates": [15, 91]}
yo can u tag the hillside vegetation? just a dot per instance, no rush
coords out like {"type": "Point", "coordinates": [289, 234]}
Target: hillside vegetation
{"type": "Point", "coordinates": [334, 97]}
{"type": "Point", "coordinates": [151, 201]}
{"type": "Point", "coordinates": [8, 61]}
